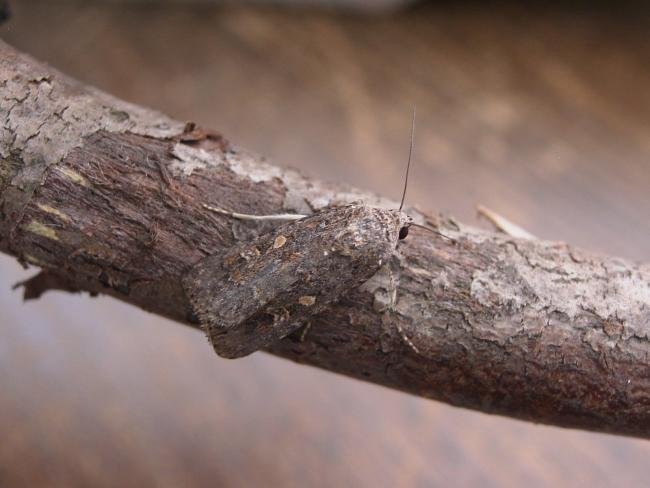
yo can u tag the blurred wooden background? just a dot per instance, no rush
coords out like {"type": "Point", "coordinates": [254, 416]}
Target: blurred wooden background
{"type": "Point", "coordinates": [540, 112]}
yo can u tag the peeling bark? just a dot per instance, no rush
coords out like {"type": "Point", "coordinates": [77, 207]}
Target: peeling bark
{"type": "Point", "coordinates": [109, 197]}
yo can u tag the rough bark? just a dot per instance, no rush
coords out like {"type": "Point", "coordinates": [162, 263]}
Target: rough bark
{"type": "Point", "coordinates": [108, 197]}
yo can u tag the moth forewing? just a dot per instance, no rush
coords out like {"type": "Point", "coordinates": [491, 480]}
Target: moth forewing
{"type": "Point", "coordinates": [262, 290]}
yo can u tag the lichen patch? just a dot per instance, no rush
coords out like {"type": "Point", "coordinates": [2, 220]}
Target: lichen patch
{"type": "Point", "coordinates": [72, 175]}
{"type": "Point", "coordinates": [41, 229]}
{"type": "Point", "coordinates": [191, 159]}
{"type": "Point", "coordinates": [54, 211]}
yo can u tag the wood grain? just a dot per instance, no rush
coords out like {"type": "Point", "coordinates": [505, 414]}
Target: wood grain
{"type": "Point", "coordinates": [542, 117]}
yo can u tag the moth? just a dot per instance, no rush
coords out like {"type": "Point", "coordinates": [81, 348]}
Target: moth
{"type": "Point", "coordinates": [261, 291]}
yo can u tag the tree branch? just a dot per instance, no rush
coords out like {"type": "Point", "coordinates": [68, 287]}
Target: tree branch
{"type": "Point", "coordinates": [110, 198]}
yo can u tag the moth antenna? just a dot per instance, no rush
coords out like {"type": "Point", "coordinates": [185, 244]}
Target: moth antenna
{"type": "Point", "coordinates": [408, 164]}
{"type": "Point", "coordinates": [433, 231]}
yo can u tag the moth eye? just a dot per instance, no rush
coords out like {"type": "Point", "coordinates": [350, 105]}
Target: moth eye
{"type": "Point", "coordinates": [403, 232]}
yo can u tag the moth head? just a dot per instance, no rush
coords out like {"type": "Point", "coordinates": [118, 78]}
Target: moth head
{"type": "Point", "coordinates": [403, 222]}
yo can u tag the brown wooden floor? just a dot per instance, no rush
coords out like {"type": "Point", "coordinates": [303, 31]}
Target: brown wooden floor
{"type": "Point", "coordinates": [542, 114]}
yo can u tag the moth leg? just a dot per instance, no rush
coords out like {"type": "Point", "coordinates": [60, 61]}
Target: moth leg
{"type": "Point", "coordinates": [303, 332]}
